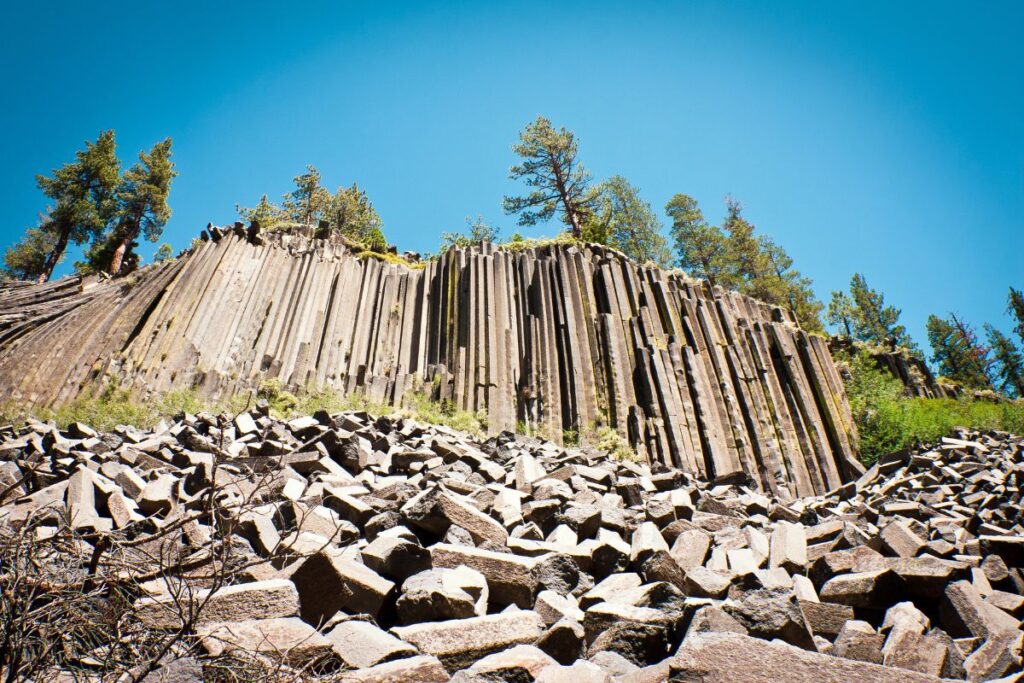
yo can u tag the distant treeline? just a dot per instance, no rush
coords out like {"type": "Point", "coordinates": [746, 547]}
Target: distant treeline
{"type": "Point", "coordinates": [94, 203]}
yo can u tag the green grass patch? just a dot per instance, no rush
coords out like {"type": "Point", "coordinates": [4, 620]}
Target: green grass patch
{"type": "Point", "coordinates": [115, 406]}
{"type": "Point", "coordinates": [519, 243]}
{"type": "Point", "coordinates": [393, 259]}
{"type": "Point", "coordinates": [888, 420]}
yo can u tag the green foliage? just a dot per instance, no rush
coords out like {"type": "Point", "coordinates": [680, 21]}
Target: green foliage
{"type": "Point", "coordinates": [1008, 363]}
{"type": "Point", "coordinates": [164, 253]}
{"type": "Point", "coordinates": [94, 203]}
{"type": "Point", "coordinates": [841, 312]}
{"type": "Point", "coordinates": [26, 259]}
{"type": "Point", "coordinates": [527, 243]}
{"type": "Point", "coordinates": [99, 255]}
{"type": "Point", "coordinates": [700, 247]}
{"type": "Point", "coordinates": [117, 406]}
{"type": "Point", "coordinates": [113, 406]}
{"type": "Point", "coordinates": [281, 402]}
{"type": "Point", "coordinates": [309, 201]}
{"type": "Point", "coordinates": [348, 212]}
{"type": "Point", "coordinates": [1015, 307]}
{"type": "Point", "coordinates": [388, 257]}
{"type": "Point", "coordinates": [419, 406]}
{"type": "Point", "coordinates": [621, 219]}
{"type": "Point", "coordinates": [479, 231]}
{"type": "Point", "coordinates": [84, 193]}
{"type": "Point", "coordinates": [352, 214]}
{"type": "Point", "coordinates": [864, 315]}
{"type": "Point", "coordinates": [142, 208]}
{"type": "Point", "coordinates": [734, 256]}
{"type": "Point", "coordinates": [266, 213]}
{"type": "Point", "coordinates": [560, 183]}
{"type": "Point", "coordinates": [781, 284]}
{"type": "Point", "coordinates": [605, 439]}
{"type": "Point", "coordinates": [889, 421]}
{"type": "Point", "coordinates": [957, 353]}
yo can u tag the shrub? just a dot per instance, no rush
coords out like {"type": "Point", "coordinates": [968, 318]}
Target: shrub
{"type": "Point", "coordinates": [888, 420]}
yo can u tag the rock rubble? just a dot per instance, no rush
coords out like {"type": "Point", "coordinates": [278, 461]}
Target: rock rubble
{"type": "Point", "coordinates": [384, 550]}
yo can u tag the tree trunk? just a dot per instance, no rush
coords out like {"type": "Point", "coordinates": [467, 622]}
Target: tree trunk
{"type": "Point", "coordinates": [570, 211]}
{"type": "Point", "coordinates": [53, 258]}
{"type": "Point", "coordinates": [118, 257]}
{"type": "Point", "coordinates": [129, 232]}
{"type": "Point", "coordinates": [577, 227]}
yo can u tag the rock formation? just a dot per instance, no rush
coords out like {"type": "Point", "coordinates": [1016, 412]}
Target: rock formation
{"type": "Point", "coordinates": [908, 368]}
{"type": "Point", "coordinates": [557, 338]}
{"type": "Point", "coordinates": [385, 550]}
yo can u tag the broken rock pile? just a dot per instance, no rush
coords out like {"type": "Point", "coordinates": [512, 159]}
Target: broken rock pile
{"type": "Point", "coordinates": [383, 550]}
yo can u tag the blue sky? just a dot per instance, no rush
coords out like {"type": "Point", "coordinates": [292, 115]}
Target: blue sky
{"type": "Point", "coordinates": [878, 137]}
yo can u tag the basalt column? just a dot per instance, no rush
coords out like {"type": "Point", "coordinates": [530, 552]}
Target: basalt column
{"type": "Point", "coordinates": [559, 338]}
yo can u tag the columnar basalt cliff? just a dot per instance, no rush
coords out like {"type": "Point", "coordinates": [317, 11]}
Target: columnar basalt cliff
{"type": "Point", "coordinates": [557, 337]}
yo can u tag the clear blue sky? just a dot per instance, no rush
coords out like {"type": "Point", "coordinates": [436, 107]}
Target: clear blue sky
{"type": "Point", "coordinates": [879, 137]}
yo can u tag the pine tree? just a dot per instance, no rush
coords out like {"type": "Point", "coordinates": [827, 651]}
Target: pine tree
{"type": "Point", "coordinates": [164, 253]}
{"type": "Point", "coordinates": [309, 201]}
{"type": "Point", "coordinates": [734, 256]}
{"type": "Point", "coordinates": [1015, 307]}
{"type": "Point", "coordinates": [621, 219]}
{"type": "Point", "coordinates": [873, 320]}
{"type": "Point", "coordinates": [26, 259]}
{"type": "Point", "coordinates": [747, 261]}
{"type": "Point", "coordinates": [700, 247]}
{"type": "Point", "coordinates": [85, 198]}
{"type": "Point", "coordinates": [957, 353]}
{"type": "Point", "coordinates": [142, 203]}
{"type": "Point", "coordinates": [479, 231]}
{"type": "Point", "coordinates": [266, 214]}
{"type": "Point", "coordinates": [783, 285]}
{"type": "Point", "coordinates": [549, 164]}
{"type": "Point", "coordinates": [841, 312]}
{"type": "Point", "coordinates": [352, 214]}
{"type": "Point", "coordinates": [1009, 363]}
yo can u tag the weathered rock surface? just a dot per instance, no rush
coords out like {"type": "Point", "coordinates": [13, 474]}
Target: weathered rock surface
{"type": "Point", "coordinates": [515, 559]}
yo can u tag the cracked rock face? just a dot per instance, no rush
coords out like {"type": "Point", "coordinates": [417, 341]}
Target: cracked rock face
{"type": "Point", "coordinates": [426, 557]}
{"type": "Point", "coordinates": [560, 337]}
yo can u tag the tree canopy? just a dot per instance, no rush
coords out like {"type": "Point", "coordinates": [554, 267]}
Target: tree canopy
{"type": "Point", "coordinates": [26, 259]}
{"type": "Point", "coordinates": [309, 201]}
{"type": "Point", "coordinates": [143, 210]}
{"type": "Point", "coordinates": [84, 193]}
{"type": "Point", "coordinates": [478, 231]}
{"type": "Point", "coordinates": [863, 314]}
{"type": "Point", "coordinates": [957, 353]}
{"type": "Point", "coordinates": [620, 218]}
{"type": "Point", "coordinates": [1007, 361]}
{"type": "Point", "coordinates": [700, 246]}
{"type": "Point", "coordinates": [1015, 307]}
{"type": "Point", "coordinates": [347, 212]}
{"type": "Point", "coordinates": [549, 165]}
{"type": "Point", "coordinates": [734, 256]}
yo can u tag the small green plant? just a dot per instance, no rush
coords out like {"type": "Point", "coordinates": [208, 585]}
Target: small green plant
{"type": "Point", "coordinates": [388, 257]}
{"type": "Point", "coordinates": [527, 243]}
{"type": "Point", "coordinates": [282, 402]}
{"type": "Point", "coordinates": [608, 440]}
{"type": "Point", "coordinates": [421, 407]}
